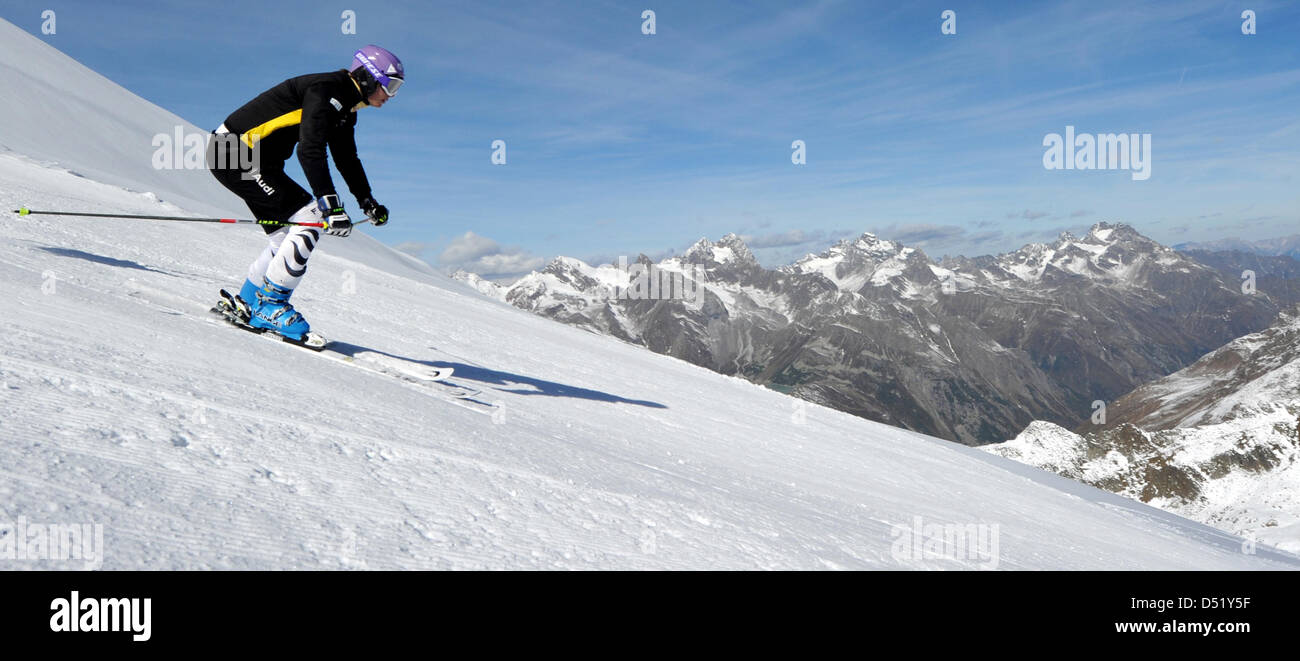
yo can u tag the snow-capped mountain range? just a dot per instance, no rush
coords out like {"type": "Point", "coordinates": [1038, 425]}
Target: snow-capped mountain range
{"type": "Point", "coordinates": [1217, 441]}
{"type": "Point", "coordinates": [1286, 246]}
{"type": "Point", "coordinates": [196, 446]}
{"type": "Point", "coordinates": [969, 349]}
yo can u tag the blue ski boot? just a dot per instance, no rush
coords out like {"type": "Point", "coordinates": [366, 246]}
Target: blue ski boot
{"type": "Point", "coordinates": [239, 304]}
{"type": "Point", "coordinates": [270, 309]}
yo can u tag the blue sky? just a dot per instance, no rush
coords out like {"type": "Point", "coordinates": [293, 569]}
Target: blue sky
{"type": "Point", "coordinates": [619, 143]}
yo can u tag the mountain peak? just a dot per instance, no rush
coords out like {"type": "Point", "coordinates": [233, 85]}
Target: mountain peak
{"type": "Point", "coordinates": [1114, 251]}
{"type": "Point", "coordinates": [869, 241]}
{"type": "Point", "coordinates": [737, 244]}
{"type": "Point", "coordinates": [851, 263]}
{"type": "Point", "coordinates": [562, 265]}
{"type": "Point", "coordinates": [729, 249]}
{"type": "Point", "coordinates": [1114, 232]}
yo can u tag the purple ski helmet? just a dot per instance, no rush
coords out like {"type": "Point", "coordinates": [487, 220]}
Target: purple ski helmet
{"type": "Point", "coordinates": [384, 69]}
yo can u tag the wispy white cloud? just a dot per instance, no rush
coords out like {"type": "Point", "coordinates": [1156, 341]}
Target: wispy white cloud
{"type": "Point", "coordinates": [484, 256]}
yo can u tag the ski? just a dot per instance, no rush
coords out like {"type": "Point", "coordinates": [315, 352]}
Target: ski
{"type": "Point", "coordinates": [428, 378]}
{"type": "Point", "coordinates": [396, 366]}
{"type": "Point", "coordinates": [417, 375]}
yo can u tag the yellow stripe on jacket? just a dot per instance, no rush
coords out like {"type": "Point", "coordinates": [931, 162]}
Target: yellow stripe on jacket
{"type": "Point", "coordinates": [255, 134]}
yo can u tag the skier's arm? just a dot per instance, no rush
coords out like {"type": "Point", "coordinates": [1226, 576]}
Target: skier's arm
{"type": "Point", "coordinates": [313, 136]}
{"type": "Point", "coordinates": [343, 146]}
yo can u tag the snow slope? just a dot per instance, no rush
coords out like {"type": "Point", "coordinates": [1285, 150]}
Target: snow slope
{"type": "Point", "coordinates": [199, 446]}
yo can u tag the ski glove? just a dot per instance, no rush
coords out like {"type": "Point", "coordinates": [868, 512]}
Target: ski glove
{"type": "Point", "coordinates": [377, 212]}
{"type": "Point", "coordinates": [337, 222]}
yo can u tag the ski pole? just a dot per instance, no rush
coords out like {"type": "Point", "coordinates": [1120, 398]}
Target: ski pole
{"type": "Point", "coordinates": [29, 212]}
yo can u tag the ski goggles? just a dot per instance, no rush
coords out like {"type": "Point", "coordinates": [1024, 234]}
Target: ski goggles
{"type": "Point", "coordinates": [390, 84]}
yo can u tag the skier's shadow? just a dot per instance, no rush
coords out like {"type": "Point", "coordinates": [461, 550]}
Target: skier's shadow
{"type": "Point", "coordinates": [515, 384]}
{"type": "Point", "coordinates": [100, 259]}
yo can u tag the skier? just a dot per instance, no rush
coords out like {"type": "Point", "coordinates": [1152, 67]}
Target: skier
{"type": "Point", "coordinates": [314, 112]}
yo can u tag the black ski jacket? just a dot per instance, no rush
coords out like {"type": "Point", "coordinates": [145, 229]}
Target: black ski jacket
{"type": "Point", "coordinates": [312, 111]}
